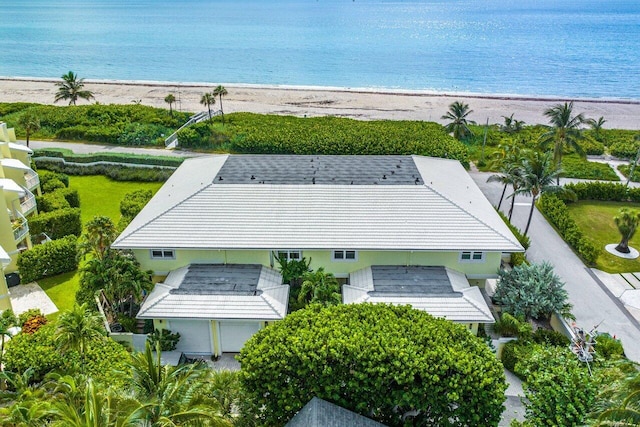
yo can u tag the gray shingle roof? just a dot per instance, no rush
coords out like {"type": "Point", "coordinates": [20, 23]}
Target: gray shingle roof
{"type": "Point", "coordinates": [446, 213]}
{"type": "Point", "coordinates": [320, 413]}
{"type": "Point", "coordinates": [440, 291]}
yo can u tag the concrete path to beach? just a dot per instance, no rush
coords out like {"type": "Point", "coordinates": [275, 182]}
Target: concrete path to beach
{"type": "Point", "coordinates": [80, 148]}
{"type": "Point", "coordinates": [592, 303]}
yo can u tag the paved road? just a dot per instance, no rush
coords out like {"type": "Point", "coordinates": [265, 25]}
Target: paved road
{"type": "Point", "coordinates": [96, 148]}
{"type": "Point", "coordinates": [592, 305]}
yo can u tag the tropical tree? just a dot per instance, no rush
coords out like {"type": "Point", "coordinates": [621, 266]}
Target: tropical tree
{"type": "Point", "coordinates": [627, 222]}
{"type": "Point", "coordinates": [564, 132]}
{"type": "Point", "coordinates": [30, 122]}
{"type": "Point", "coordinates": [7, 321]}
{"type": "Point", "coordinates": [220, 91]}
{"type": "Point", "coordinates": [619, 402]}
{"type": "Point", "coordinates": [71, 88]}
{"type": "Point", "coordinates": [98, 237]}
{"type": "Point", "coordinates": [208, 99]}
{"type": "Point", "coordinates": [532, 291]}
{"type": "Point", "coordinates": [511, 125]}
{"type": "Point", "coordinates": [596, 126]}
{"type": "Point", "coordinates": [170, 99]}
{"type": "Point", "coordinates": [319, 287]}
{"type": "Point", "coordinates": [507, 163]}
{"type": "Point", "coordinates": [459, 125]}
{"type": "Point", "coordinates": [77, 327]}
{"type": "Point", "coordinates": [538, 173]}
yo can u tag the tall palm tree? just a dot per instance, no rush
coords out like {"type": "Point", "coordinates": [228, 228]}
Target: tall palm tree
{"type": "Point", "coordinates": [220, 91]}
{"type": "Point", "coordinates": [170, 99]}
{"type": "Point", "coordinates": [71, 88]}
{"type": "Point", "coordinates": [596, 126]}
{"type": "Point", "coordinates": [538, 174]}
{"type": "Point", "coordinates": [564, 132]}
{"type": "Point", "coordinates": [511, 125]}
{"type": "Point", "coordinates": [30, 122]}
{"type": "Point", "coordinates": [507, 161]}
{"type": "Point", "coordinates": [627, 222]}
{"type": "Point", "coordinates": [459, 125]}
{"type": "Point", "coordinates": [77, 327]}
{"type": "Point", "coordinates": [208, 99]}
{"type": "Point", "coordinates": [98, 237]}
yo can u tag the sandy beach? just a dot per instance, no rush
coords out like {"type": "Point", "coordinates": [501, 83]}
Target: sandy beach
{"type": "Point", "coordinates": [363, 104]}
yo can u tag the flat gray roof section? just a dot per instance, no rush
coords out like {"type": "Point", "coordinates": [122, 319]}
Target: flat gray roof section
{"type": "Point", "coordinates": [320, 169]}
{"type": "Point", "coordinates": [395, 280]}
{"type": "Point", "coordinates": [220, 279]}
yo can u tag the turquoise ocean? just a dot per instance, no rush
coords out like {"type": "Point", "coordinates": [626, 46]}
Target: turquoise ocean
{"type": "Point", "coordinates": [576, 48]}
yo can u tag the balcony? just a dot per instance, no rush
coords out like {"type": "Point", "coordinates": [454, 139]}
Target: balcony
{"type": "Point", "coordinates": [28, 202]}
{"type": "Point", "coordinates": [20, 226]}
{"type": "Point", "coordinates": [32, 180]}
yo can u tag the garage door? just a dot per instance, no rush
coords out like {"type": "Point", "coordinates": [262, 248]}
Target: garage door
{"type": "Point", "coordinates": [195, 335]}
{"type": "Point", "coordinates": [233, 335]}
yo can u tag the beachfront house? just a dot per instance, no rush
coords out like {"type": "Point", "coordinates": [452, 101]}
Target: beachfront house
{"type": "Point", "coordinates": [397, 229]}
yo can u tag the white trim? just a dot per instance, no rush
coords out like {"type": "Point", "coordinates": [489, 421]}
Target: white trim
{"type": "Point", "coordinates": [289, 252]}
{"type": "Point", "coordinates": [165, 253]}
{"type": "Point", "coordinates": [344, 257]}
{"type": "Point", "coordinates": [462, 257]}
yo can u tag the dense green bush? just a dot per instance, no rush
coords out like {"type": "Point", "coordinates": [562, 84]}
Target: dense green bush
{"type": "Point", "coordinates": [131, 205]}
{"type": "Point", "coordinates": [117, 173]}
{"type": "Point", "coordinates": [557, 213]}
{"type": "Point", "coordinates": [604, 191]}
{"type": "Point", "coordinates": [69, 156]}
{"type": "Point", "coordinates": [112, 124]}
{"type": "Point", "coordinates": [52, 201]}
{"type": "Point", "coordinates": [167, 339]}
{"type": "Point", "coordinates": [9, 108]}
{"type": "Point", "coordinates": [576, 167]}
{"type": "Point", "coordinates": [549, 337]}
{"type": "Point", "coordinates": [524, 240]}
{"type": "Point", "coordinates": [57, 224]}
{"type": "Point", "coordinates": [626, 170]}
{"type": "Point", "coordinates": [71, 196]}
{"type": "Point", "coordinates": [590, 146]}
{"type": "Point", "coordinates": [512, 352]}
{"type": "Point", "coordinates": [48, 259]}
{"type": "Point", "coordinates": [46, 176]}
{"type": "Point", "coordinates": [608, 347]}
{"type": "Point", "coordinates": [625, 150]}
{"type": "Point", "coordinates": [385, 362]}
{"type": "Point", "coordinates": [613, 136]}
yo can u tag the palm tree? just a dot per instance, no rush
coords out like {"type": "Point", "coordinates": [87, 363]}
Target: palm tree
{"type": "Point", "coordinates": [538, 174]}
{"type": "Point", "coordinates": [71, 88]}
{"type": "Point", "coordinates": [507, 162]}
{"type": "Point", "coordinates": [459, 125]}
{"type": "Point", "coordinates": [170, 99]}
{"type": "Point", "coordinates": [30, 122]}
{"type": "Point", "coordinates": [320, 287]}
{"type": "Point", "coordinates": [220, 91]}
{"type": "Point", "coordinates": [564, 132]}
{"type": "Point", "coordinates": [627, 222]}
{"type": "Point", "coordinates": [77, 327]}
{"type": "Point", "coordinates": [620, 403]}
{"type": "Point", "coordinates": [208, 99]}
{"type": "Point", "coordinates": [596, 126]}
{"type": "Point", "coordinates": [98, 237]}
{"type": "Point", "coordinates": [511, 125]}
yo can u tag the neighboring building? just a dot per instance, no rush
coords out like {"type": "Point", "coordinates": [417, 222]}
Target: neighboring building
{"type": "Point", "coordinates": [5, 301]}
{"type": "Point", "coordinates": [356, 216]}
{"type": "Point", "coordinates": [320, 413]}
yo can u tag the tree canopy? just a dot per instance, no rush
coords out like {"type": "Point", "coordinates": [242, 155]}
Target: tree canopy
{"type": "Point", "coordinates": [390, 363]}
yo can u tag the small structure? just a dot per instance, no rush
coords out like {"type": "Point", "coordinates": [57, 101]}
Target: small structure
{"type": "Point", "coordinates": [438, 290]}
{"type": "Point", "coordinates": [320, 413]}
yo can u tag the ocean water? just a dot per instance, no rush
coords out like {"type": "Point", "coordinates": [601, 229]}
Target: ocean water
{"type": "Point", "coordinates": [577, 48]}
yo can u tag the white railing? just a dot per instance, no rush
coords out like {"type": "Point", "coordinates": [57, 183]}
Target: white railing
{"type": "Point", "coordinates": [28, 202]}
{"type": "Point", "coordinates": [172, 140]}
{"type": "Point", "coordinates": [32, 180]}
{"type": "Point", "coordinates": [20, 226]}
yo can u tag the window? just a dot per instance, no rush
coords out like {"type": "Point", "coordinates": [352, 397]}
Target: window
{"type": "Point", "coordinates": [345, 255]}
{"type": "Point", "coordinates": [471, 256]}
{"type": "Point", "coordinates": [163, 254]}
{"type": "Point", "coordinates": [290, 255]}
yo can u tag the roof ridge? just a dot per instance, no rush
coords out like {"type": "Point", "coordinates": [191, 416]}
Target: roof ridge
{"type": "Point", "coordinates": [159, 298]}
{"type": "Point", "coordinates": [267, 298]}
{"type": "Point", "coordinates": [123, 236]}
{"type": "Point", "coordinates": [473, 303]}
{"type": "Point", "coordinates": [471, 215]}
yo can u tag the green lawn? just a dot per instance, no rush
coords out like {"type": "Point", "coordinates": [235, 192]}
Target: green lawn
{"type": "Point", "coordinates": [100, 195]}
{"type": "Point", "coordinates": [596, 221]}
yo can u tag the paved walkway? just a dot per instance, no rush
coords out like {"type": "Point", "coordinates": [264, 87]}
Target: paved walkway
{"type": "Point", "coordinates": [593, 303]}
{"type": "Point", "coordinates": [31, 295]}
{"type": "Point", "coordinates": [80, 148]}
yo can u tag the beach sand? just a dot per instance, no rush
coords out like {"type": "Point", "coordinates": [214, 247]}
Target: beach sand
{"type": "Point", "coordinates": [363, 104]}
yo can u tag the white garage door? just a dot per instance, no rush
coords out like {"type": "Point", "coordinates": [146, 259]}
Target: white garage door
{"type": "Point", "coordinates": [233, 335]}
{"type": "Point", "coordinates": [195, 335]}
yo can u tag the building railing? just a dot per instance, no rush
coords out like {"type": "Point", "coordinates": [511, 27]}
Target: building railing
{"type": "Point", "coordinates": [32, 180]}
{"type": "Point", "coordinates": [20, 226]}
{"type": "Point", "coordinates": [28, 202]}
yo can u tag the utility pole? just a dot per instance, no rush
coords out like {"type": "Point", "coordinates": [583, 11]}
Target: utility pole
{"type": "Point", "coordinates": [484, 141]}
{"type": "Point", "coordinates": [633, 167]}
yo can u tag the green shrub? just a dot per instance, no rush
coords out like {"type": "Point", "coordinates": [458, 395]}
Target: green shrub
{"type": "Point", "coordinates": [626, 170]}
{"type": "Point", "coordinates": [608, 347]}
{"type": "Point", "coordinates": [48, 259]}
{"type": "Point", "coordinates": [35, 351]}
{"type": "Point", "coordinates": [379, 360]}
{"type": "Point", "coordinates": [32, 312]}
{"type": "Point", "coordinates": [557, 213]}
{"type": "Point", "coordinates": [524, 240]}
{"type": "Point", "coordinates": [590, 146]}
{"type": "Point", "coordinates": [625, 150]}
{"type": "Point", "coordinates": [518, 258]}
{"type": "Point", "coordinates": [604, 191]}
{"type": "Point", "coordinates": [71, 196]}
{"type": "Point", "coordinates": [46, 176]}
{"type": "Point", "coordinates": [53, 201]}
{"type": "Point", "coordinates": [57, 224]}
{"type": "Point", "coordinates": [550, 337]}
{"type": "Point", "coordinates": [511, 353]}
{"type": "Point", "coordinates": [131, 206]}
{"type": "Point", "coordinates": [576, 167]}
{"type": "Point", "coordinates": [69, 156]}
{"type": "Point", "coordinates": [168, 340]}
{"type": "Point", "coordinates": [507, 326]}
{"type": "Point", "coordinates": [117, 173]}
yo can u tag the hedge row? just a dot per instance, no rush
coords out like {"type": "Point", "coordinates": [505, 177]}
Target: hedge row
{"type": "Point", "coordinates": [604, 191]}
{"type": "Point", "coordinates": [110, 157]}
{"type": "Point", "coordinates": [58, 199]}
{"type": "Point", "coordinates": [558, 214]}
{"type": "Point", "coordinates": [57, 224]}
{"type": "Point", "coordinates": [626, 170]}
{"type": "Point", "coordinates": [117, 173]}
{"type": "Point", "coordinates": [48, 259]}
{"type": "Point", "coordinates": [524, 240]}
{"type": "Point", "coordinates": [625, 150]}
{"type": "Point", "coordinates": [576, 167]}
{"type": "Point", "coordinates": [46, 177]}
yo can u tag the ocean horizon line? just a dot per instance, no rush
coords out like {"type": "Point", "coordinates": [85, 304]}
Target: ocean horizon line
{"type": "Point", "coordinates": [345, 89]}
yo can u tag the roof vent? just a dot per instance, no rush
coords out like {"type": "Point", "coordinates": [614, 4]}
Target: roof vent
{"type": "Point", "coordinates": [219, 178]}
{"type": "Point", "coordinates": [313, 181]}
{"type": "Point", "coordinates": [384, 176]}
{"type": "Point", "coordinates": [417, 181]}
{"type": "Point", "coordinates": [252, 177]}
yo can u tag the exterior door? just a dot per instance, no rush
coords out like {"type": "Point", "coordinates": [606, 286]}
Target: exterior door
{"type": "Point", "coordinates": [233, 335]}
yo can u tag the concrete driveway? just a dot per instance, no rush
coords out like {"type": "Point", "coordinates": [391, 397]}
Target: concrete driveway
{"type": "Point", "coordinates": [592, 303]}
